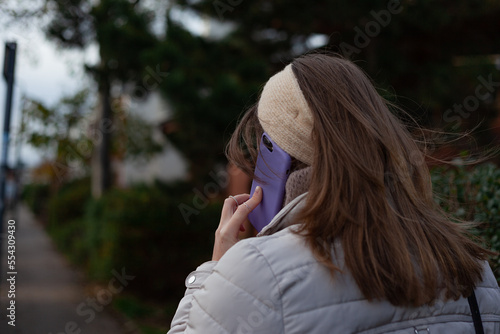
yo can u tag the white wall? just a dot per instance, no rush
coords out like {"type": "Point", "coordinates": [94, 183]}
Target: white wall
{"type": "Point", "coordinates": [167, 165]}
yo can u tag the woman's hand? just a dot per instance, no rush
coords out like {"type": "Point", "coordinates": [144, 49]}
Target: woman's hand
{"type": "Point", "coordinates": [231, 222]}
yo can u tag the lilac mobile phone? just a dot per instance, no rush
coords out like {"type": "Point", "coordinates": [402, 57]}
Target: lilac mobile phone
{"type": "Point", "coordinates": [272, 169]}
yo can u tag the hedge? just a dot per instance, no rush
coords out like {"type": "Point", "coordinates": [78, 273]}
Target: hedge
{"type": "Point", "coordinates": [142, 229]}
{"type": "Point", "coordinates": [473, 193]}
{"type": "Point", "coordinates": [35, 195]}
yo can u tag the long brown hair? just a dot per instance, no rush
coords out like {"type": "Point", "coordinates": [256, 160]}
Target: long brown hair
{"type": "Point", "coordinates": [370, 189]}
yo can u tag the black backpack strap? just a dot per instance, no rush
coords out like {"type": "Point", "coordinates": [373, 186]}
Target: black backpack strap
{"type": "Point", "coordinates": [476, 315]}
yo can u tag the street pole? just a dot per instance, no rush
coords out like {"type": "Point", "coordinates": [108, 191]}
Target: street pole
{"type": "Point", "coordinates": [8, 73]}
{"type": "Point", "coordinates": [19, 164]}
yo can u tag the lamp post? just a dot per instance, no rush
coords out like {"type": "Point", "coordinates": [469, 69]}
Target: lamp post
{"type": "Point", "coordinates": [8, 74]}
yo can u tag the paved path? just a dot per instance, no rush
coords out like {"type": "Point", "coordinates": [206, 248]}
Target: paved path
{"type": "Point", "coordinates": [49, 294]}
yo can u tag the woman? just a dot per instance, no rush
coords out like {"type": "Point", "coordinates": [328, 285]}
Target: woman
{"type": "Point", "coordinates": [360, 246]}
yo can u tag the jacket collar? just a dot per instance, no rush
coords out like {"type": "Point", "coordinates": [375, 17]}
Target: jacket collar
{"type": "Point", "coordinates": [286, 217]}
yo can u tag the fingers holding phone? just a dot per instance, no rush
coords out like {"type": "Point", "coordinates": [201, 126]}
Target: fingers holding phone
{"type": "Point", "coordinates": [234, 213]}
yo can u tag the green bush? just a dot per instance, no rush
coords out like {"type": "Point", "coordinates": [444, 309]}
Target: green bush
{"type": "Point", "coordinates": [473, 193]}
{"type": "Point", "coordinates": [142, 230]}
{"type": "Point", "coordinates": [65, 210]}
{"type": "Point", "coordinates": [68, 203]}
{"type": "Point", "coordinates": [36, 195]}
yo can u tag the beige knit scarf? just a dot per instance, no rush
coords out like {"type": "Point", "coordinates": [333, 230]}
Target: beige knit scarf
{"type": "Point", "coordinates": [298, 183]}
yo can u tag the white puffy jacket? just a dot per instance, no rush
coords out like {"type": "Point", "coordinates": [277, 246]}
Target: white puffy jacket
{"type": "Point", "coordinates": [273, 284]}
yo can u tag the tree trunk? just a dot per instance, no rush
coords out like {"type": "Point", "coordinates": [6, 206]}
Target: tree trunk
{"type": "Point", "coordinates": [101, 159]}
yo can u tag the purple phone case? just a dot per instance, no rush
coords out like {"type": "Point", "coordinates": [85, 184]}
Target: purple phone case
{"type": "Point", "coordinates": [272, 170]}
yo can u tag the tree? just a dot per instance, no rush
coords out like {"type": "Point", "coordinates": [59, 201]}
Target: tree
{"type": "Point", "coordinates": [65, 134]}
{"type": "Point", "coordinates": [209, 84]}
{"type": "Point", "coordinates": [60, 132]}
{"type": "Point", "coordinates": [121, 30]}
{"type": "Point", "coordinates": [434, 55]}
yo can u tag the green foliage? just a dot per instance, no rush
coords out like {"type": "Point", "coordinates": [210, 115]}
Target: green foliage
{"type": "Point", "coordinates": [473, 193]}
{"type": "Point", "coordinates": [152, 330]}
{"type": "Point", "coordinates": [211, 79]}
{"type": "Point", "coordinates": [208, 90]}
{"type": "Point", "coordinates": [65, 224]}
{"type": "Point", "coordinates": [67, 236]}
{"type": "Point", "coordinates": [418, 53]}
{"type": "Point", "coordinates": [36, 195]}
{"type": "Point", "coordinates": [61, 131]}
{"type": "Point", "coordinates": [69, 201]}
{"type": "Point", "coordinates": [132, 307]}
{"type": "Point", "coordinates": [137, 140]}
{"type": "Point", "coordinates": [143, 230]}
{"type": "Point", "coordinates": [48, 126]}
{"type": "Point", "coordinates": [122, 30]}
{"type": "Point", "coordinates": [67, 133]}
{"type": "Point", "coordinates": [70, 23]}
{"type": "Point", "coordinates": [140, 229]}
{"type": "Point", "coordinates": [148, 316]}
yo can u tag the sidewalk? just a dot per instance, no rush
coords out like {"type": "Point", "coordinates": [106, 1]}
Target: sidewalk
{"type": "Point", "coordinates": [48, 291]}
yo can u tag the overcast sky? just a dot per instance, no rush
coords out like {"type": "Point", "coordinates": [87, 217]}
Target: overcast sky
{"type": "Point", "coordinates": [42, 72]}
{"type": "Point", "coordinates": [46, 72]}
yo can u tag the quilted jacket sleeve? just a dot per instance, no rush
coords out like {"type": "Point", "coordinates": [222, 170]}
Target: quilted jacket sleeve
{"type": "Point", "coordinates": [193, 283]}
{"type": "Point", "coordinates": [240, 295]}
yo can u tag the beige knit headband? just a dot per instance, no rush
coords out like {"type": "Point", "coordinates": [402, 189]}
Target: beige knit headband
{"type": "Point", "coordinates": [285, 115]}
